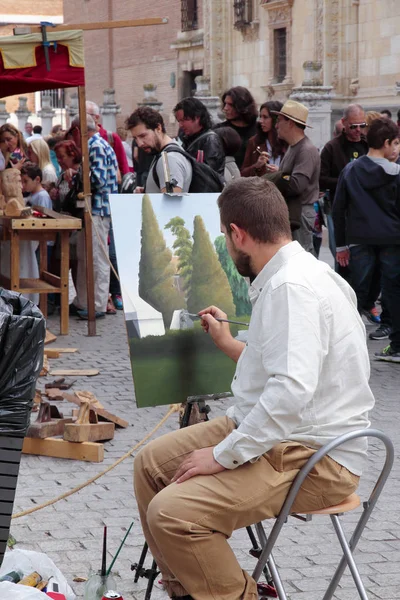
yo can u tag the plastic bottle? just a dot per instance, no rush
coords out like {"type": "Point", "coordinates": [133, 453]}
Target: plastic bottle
{"type": "Point", "coordinates": [13, 576]}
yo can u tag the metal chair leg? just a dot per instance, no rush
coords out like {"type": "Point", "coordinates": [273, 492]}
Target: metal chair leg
{"type": "Point", "coordinates": [152, 579]}
{"type": "Point", "coordinates": [349, 557]}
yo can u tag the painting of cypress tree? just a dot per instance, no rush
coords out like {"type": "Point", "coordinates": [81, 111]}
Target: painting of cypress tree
{"type": "Point", "coordinates": [209, 283]}
{"type": "Point", "coordinates": [182, 247]}
{"type": "Point", "coordinates": [156, 272]}
{"type": "Point", "coordinates": [238, 285]}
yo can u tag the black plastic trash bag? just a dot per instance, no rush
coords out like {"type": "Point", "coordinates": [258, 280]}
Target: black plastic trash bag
{"type": "Point", "coordinates": [22, 334]}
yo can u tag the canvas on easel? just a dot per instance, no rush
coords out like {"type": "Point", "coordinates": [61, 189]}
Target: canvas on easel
{"type": "Point", "coordinates": [173, 262]}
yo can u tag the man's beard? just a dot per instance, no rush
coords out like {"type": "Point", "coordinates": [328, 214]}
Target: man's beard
{"type": "Point", "coordinates": [243, 264]}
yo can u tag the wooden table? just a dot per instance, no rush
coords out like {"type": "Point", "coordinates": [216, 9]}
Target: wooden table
{"type": "Point", "coordinates": [42, 230]}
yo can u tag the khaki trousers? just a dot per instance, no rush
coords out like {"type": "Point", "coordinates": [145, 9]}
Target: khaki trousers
{"type": "Point", "coordinates": [187, 525]}
{"type": "Point", "coordinates": [101, 266]}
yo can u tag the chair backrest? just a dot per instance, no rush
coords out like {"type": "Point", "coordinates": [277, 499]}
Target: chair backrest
{"type": "Point", "coordinates": [305, 470]}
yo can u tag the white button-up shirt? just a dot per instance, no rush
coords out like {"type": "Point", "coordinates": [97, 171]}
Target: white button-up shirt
{"type": "Point", "coordinates": [303, 374]}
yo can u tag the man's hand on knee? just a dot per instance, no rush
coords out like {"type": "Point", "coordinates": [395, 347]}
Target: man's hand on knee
{"type": "Point", "coordinates": [199, 462]}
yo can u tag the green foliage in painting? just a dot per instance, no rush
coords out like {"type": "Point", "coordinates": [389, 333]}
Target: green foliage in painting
{"type": "Point", "coordinates": [209, 283]}
{"type": "Point", "coordinates": [238, 285]}
{"type": "Point", "coordinates": [156, 271]}
{"type": "Point", "coordinates": [183, 247]}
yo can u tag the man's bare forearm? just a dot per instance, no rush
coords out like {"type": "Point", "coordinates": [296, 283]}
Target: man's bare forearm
{"type": "Point", "coordinates": [232, 348]}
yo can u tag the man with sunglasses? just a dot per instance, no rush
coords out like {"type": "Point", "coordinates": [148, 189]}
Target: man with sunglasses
{"type": "Point", "coordinates": [337, 153]}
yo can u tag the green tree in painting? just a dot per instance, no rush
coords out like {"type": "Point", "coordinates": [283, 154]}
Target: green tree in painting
{"type": "Point", "coordinates": [238, 284]}
{"type": "Point", "coordinates": [209, 284]}
{"type": "Point", "coordinates": [156, 272]}
{"type": "Point", "coordinates": [183, 247]}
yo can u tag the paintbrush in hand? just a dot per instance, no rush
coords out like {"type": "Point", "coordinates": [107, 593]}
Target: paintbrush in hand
{"type": "Point", "coordinates": [193, 316]}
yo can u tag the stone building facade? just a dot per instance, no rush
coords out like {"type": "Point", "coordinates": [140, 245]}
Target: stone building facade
{"type": "Point", "coordinates": [351, 49]}
{"type": "Point", "coordinates": [26, 12]}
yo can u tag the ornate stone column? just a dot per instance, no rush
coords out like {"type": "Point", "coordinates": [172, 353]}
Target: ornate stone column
{"type": "Point", "coordinates": [22, 112]}
{"type": "Point", "coordinates": [73, 106]}
{"type": "Point", "coordinates": [215, 18]}
{"type": "Point", "coordinates": [317, 98]}
{"type": "Point", "coordinates": [203, 93]}
{"type": "Point", "coordinates": [4, 115]}
{"type": "Point", "coordinates": [150, 97]}
{"type": "Point", "coordinates": [109, 110]}
{"type": "Point", "coordinates": [46, 114]}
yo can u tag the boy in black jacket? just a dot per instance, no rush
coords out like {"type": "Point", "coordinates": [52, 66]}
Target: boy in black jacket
{"type": "Point", "coordinates": [366, 215]}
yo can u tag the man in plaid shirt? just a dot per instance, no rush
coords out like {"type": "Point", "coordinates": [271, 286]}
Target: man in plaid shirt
{"type": "Point", "coordinates": [103, 181]}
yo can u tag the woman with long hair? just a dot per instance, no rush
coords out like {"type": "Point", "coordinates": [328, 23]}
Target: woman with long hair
{"type": "Point", "coordinates": [15, 146]}
{"type": "Point", "coordinates": [69, 158]}
{"type": "Point", "coordinates": [39, 154]}
{"type": "Point", "coordinates": [265, 147]}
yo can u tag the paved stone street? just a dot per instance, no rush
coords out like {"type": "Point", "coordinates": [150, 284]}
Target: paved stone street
{"type": "Point", "coordinates": [70, 532]}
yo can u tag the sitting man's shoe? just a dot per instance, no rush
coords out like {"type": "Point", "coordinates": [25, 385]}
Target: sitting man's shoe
{"type": "Point", "coordinates": [372, 315]}
{"type": "Point", "coordinates": [388, 354]}
{"type": "Point", "coordinates": [382, 333]}
{"type": "Point", "coordinates": [84, 314]}
{"type": "Point", "coordinates": [117, 299]}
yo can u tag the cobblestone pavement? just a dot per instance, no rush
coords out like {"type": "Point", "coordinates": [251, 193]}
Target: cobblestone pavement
{"type": "Point", "coordinates": [70, 532]}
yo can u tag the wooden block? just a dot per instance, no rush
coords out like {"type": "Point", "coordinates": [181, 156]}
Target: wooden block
{"type": "Point", "coordinates": [54, 394]}
{"type": "Point", "coordinates": [87, 428]}
{"type": "Point", "coordinates": [45, 368]}
{"type": "Point", "coordinates": [75, 372]}
{"type": "Point", "coordinates": [65, 350]}
{"type": "Point", "coordinates": [89, 432]}
{"type": "Point", "coordinates": [50, 429]}
{"type": "Point", "coordinates": [50, 422]}
{"type": "Point", "coordinates": [85, 396]}
{"type": "Point", "coordinates": [57, 448]}
{"type": "Point", "coordinates": [51, 353]}
{"type": "Point", "coordinates": [50, 337]}
{"type": "Point", "coordinates": [102, 413]}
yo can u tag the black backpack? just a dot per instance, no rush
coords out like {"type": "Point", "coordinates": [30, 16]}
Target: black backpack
{"type": "Point", "coordinates": [204, 178]}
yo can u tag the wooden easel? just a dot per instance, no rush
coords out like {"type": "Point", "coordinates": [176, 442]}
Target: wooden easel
{"type": "Point", "coordinates": [84, 142]}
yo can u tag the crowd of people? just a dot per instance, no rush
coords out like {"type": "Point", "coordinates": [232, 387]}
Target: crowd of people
{"type": "Point", "coordinates": [320, 188]}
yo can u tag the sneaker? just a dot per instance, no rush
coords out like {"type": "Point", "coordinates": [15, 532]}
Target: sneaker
{"type": "Point", "coordinates": [73, 310]}
{"type": "Point", "coordinates": [83, 314]}
{"type": "Point", "coordinates": [372, 315]}
{"type": "Point", "coordinates": [117, 299]}
{"type": "Point", "coordinates": [388, 355]}
{"type": "Point", "coordinates": [382, 333]}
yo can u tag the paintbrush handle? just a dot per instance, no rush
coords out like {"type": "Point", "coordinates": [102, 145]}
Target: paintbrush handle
{"type": "Point", "coordinates": [119, 550]}
{"type": "Point", "coordinates": [233, 322]}
{"type": "Point", "coordinates": [104, 557]}
{"type": "Point", "coordinates": [194, 316]}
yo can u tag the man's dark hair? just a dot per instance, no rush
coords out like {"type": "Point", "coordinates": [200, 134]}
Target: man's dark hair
{"type": "Point", "coordinates": [398, 115]}
{"type": "Point", "coordinates": [257, 206]}
{"type": "Point", "coordinates": [231, 140]}
{"type": "Point", "coordinates": [37, 129]}
{"type": "Point", "coordinates": [243, 103]}
{"type": "Point", "coordinates": [32, 171]}
{"type": "Point", "coordinates": [387, 112]}
{"type": "Point", "coordinates": [381, 130]}
{"type": "Point", "coordinates": [192, 108]}
{"type": "Point", "coordinates": [146, 115]}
